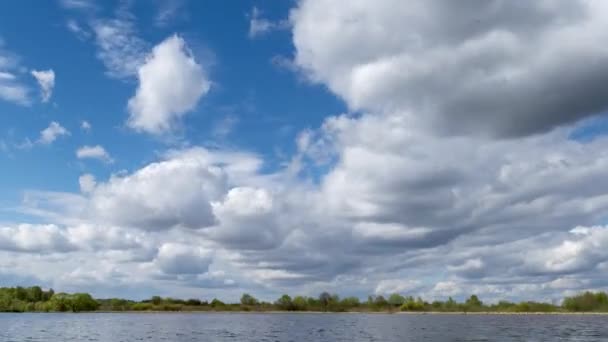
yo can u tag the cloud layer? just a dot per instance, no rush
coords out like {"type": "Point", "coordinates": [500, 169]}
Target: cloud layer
{"type": "Point", "coordinates": [454, 173]}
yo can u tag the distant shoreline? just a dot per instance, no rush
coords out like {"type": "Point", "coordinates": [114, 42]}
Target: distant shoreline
{"type": "Point", "coordinates": [35, 299]}
{"type": "Point", "coordinates": [413, 313]}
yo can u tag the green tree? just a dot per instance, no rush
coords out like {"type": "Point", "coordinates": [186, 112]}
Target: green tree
{"type": "Point", "coordinates": [83, 302]}
{"type": "Point", "coordinates": [380, 301]}
{"type": "Point", "coordinates": [193, 302]}
{"type": "Point", "coordinates": [396, 299]}
{"type": "Point", "coordinates": [285, 303]}
{"type": "Point", "coordinates": [324, 300]}
{"type": "Point", "coordinates": [46, 296]}
{"type": "Point", "coordinates": [34, 294]}
{"type": "Point", "coordinates": [300, 303]}
{"type": "Point", "coordinates": [587, 301]}
{"type": "Point", "coordinates": [60, 302]}
{"type": "Point", "coordinates": [156, 300]}
{"type": "Point", "coordinates": [473, 302]}
{"type": "Point", "coordinates": [216, 303]}
{"type": "Point", "coordinates": [249, 300]}
{"type": "Point", "coordinates": [411, 304]}
{"type": "Point", "coordinates": [349, 303]}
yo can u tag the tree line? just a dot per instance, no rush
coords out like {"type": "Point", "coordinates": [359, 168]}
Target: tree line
{"type": "Point", "coordinates": [35, 299]}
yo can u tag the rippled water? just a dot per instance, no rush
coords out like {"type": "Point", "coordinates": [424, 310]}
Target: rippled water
{"type": "Point", "coordinates": [300, 327]}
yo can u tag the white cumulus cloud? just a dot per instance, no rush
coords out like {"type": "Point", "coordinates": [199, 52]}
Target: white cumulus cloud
{"type": "Point", "coordinates": [171, 82]}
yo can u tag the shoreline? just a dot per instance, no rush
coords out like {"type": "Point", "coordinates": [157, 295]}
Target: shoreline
{"type": "Point", "coordinates": [415, 313]}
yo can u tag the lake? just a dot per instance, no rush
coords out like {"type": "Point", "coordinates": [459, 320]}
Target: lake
{"type": "Point", "coordinates": [114, 327]}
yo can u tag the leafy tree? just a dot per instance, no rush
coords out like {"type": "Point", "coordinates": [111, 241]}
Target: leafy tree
{"type": "Point", "coordinates": [34, 294]}
{"type": "Point", "coordinates": [193, 302]}
{"type": "Point", "coordinates": [83, 302]}
{"type": "Point", "coordinates": [285, 303]}
{"type": "Point", "coordinates": [60, 302]}
{"type": "Point", "coordinates": [20, 293]}
{"type": "Point", "coordinates": [587, 301]}
{"type": "Point", "coordinates": [473, 302]}
{"type": "Point", "coordinates": [156, 300]}
{"type": "Point", "coordinates": [249, 300]}
{"type": "Point", "coordinates": [350, 302]}
{"type": "Point", "coordinates": [47, 295]}
{"type": "Point", "coordinates": [300, 303]}
{"type": "Point", "coordinates": [411, 304]}
{"type": "Point", "coordinates": [216, 303]}
{"type": "Point", "coordinates": [396, 299]}
{"type": "Point", "coordinates": [380, 301]}
{"type": "Point", "coordinates": [451, 304]}
{"type": "Point", "coordinates": [325, 299]}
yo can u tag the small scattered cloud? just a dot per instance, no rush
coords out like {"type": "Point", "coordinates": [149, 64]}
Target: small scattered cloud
{"type": "Point", "coordinates": [94, 152]}
{"type": "Point", "coordinates": [80, 32]}
{"type": "Point", "coordinates": [168, 10]}
{"type": "Point", "coordinates": [86, 126]}
{"type": "Point", "coordinates": [78, 4]}
{"type": "Point", "coordinates": [119, 48]}
{"type": "Point", "coordinates": [12, 91]}
{"type": "Point", "coordinates": [225, 126]}
{"type": "Point", "coordinates": [283, 62]}
{"type": "Point", "coordinates": [46, 81]}
{"type": "Point", "coordinates": [11, 88]}
{"type": "Point", "coordinates": [51, 133]}
{"type": "Point", "coordinates": [259, 26]}
{"type": "Point", "coordinates": [390, 286]}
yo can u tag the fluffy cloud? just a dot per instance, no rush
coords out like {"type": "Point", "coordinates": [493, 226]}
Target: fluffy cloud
{"type": "Point", "coordinates": [171, 83]}
{"type": "Point", "coordinates": [248, 219]}
{"type": "Point", "coordinates": [492, 69]}
{"type": "Point", "coordinates": [106, 238]}
{"type": "Point", "coordinates": [94, 152]}
{"type": "Point", "coordinates": [34, 238]}
{"type": "Point", "coordinates": [176, 191]}
{"type": "Point", "coordinates": [176, 258]}
{"type": "Point", "coordinates": [46, 81]}
{"type": "Point", "coordinates": [51, 133]}
{"type": "Point", "coordinates": [51, 238]}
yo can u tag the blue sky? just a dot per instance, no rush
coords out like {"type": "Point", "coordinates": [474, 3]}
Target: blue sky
{"type": "Point", "coordinates": [264, 120]}
{"type": "Point", "coordinates": [207, 148]}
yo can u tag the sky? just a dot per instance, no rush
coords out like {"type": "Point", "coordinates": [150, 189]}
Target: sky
{"type": "Point", "coordinates": [201, 149]}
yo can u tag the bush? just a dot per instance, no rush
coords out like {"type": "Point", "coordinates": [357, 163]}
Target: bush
{"type": "Point", "coordinates": [142, 307]}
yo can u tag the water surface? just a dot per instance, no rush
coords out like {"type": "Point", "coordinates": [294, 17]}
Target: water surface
{"type": "Point", "coordinates": [177, 327]}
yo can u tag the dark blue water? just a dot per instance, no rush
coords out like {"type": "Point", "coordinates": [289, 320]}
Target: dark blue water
{"type": "Point", "coordinates": [300, 327]}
